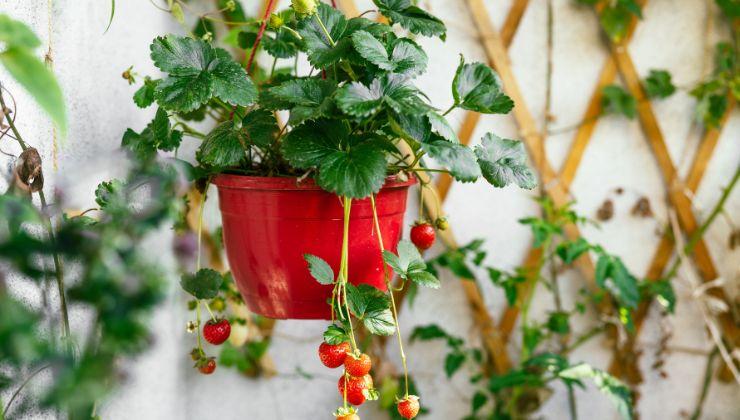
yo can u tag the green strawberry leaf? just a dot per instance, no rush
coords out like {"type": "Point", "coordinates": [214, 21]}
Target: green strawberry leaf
{"type": "Point", "coordinates": [320, 269]}
{"type": "Point", "coordinates": [230, 81]}
{"type": "Point", "coordinates": [355, 173]}
{"type": "Point", "coordinates": [283, 45]}
{"type": "Point", "coordinates": [185, 93]}
{"type": "Point", "coordinates": [204, 284]}
{"type": "Point", "coordinates": [618, 393]}
{"type": "Point", "coordinates": [612, 275]}
{"type": "Point", "coordinates": [197, 72]}
{"type": "Point", "coordinates": [412, 17]}
{"type": "Point", "coordinates": [372, 50]}
{"type": "Point", "coordinates": [408, 57]}
{"type": "Point", "coordinates": [658, 84]}
{"type": "Point", "coordinates": [616, 100]}
{"type": "Point", "coordinates": [372, 306]}
{"type": "Point", "coordinates": [225, 146]}
{"type": "Point", "coordinates": [440, 126]}
{"type": "Point", "coordinates": [459, 159]}
{"type": "Point", "coordinates": [409, 265]}
{"type": "Point", "coordinates": [503, 162]}
{"type": "Point", "coordinates": [307, 99]}
{"type": "Point", "coordinates": [391, 90]}
{"type": "Point", "coordinates": [260, 128]}
{"type": "Point", "coordinates": [335, 334]}
{"type": "Point", "coordinates": [569, 251]}
{"type": "Point", "coordinates": [322, 51]}
{"type": "Point", "coordinates": [144, 96]}
{"type": "Point", "coordinates": [310, 144]}
{"type": "Point", "coordinates": [477, 87]}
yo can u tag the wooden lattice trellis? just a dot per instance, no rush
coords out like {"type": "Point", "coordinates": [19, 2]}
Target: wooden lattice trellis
{"type": "Point", "coordinates": [556, 184]}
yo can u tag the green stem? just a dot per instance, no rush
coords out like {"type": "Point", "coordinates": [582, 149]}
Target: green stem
{"type": "Point", "coordinates": [706, 384]}
{"type": "Point", "coordinates": [393, 299]}
{"type": "Point", "coordinates": [323, 28]}
{"type": "Point", "coordinates": [583, 339]}
{"type": "Point", "coordinates": [210, 312]}
{"type": "Point", "coordinates": [59, 273]}
{"type": "Point", "coordinates": [528, 299]}
{"type": "Point", "coordinates": [699, 233]}
{"type": "Point", "coordinates": [344, 267]}
{"type": "Point", "coordinates": [450, 109]}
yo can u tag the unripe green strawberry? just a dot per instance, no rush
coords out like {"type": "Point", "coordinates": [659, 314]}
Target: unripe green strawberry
{"type": "Point", "coordinates": [276, 21]}
{"type": "Point", "coordinates": [305, 7]}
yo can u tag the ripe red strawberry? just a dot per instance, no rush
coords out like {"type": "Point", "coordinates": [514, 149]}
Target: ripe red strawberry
{"type": "Point", "coordinates": [408, 407]}
{"type": "Point", "coordinates": [358, 366]}
{"type": "Point", "coordinates": [207, 366]}
{"type": "Point", "coordinates": [423, 235]}
{"type": "Point", "coordinates": [356, 389]}
{"type": "Point", "coordinates": [332, 356]}
{"type": "Point", "coordinates": [217, 331]}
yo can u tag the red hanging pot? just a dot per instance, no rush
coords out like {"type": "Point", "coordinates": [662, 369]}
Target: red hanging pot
{"type": "Point", "coordinates": [270, 223]}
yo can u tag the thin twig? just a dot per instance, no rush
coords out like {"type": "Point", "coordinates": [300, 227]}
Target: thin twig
{"type": "Point", "coordinates": [20, 388]}
{"type": "Point", "coordinates": [706, 384]}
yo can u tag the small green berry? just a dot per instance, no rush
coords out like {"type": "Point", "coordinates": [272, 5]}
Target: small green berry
{"type": "Point", "coordinates": [276, 21]}
{"type": "Point", "coordinates": [305, 7]}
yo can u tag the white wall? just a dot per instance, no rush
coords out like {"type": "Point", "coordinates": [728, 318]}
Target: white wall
{"type": "Point", "coordinates": [162, 385]}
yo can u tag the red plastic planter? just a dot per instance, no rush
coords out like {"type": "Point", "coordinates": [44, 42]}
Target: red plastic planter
{"type": "Point", "coordinates": [269, 223]}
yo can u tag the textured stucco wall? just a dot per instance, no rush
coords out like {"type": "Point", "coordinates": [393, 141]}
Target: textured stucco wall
{"type": "Point", "coordinates": [162, 385]}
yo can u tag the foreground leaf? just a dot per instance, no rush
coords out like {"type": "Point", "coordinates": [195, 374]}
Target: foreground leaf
{"type": "Point", "coordinates": [38, 80]}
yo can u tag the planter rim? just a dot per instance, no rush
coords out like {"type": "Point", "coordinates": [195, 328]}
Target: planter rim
{"type": "Point", "coordinates": [266, 183]}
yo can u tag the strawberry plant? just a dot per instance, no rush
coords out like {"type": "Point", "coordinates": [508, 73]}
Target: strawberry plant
{"type": "Point", "coordinates": [353, 120]}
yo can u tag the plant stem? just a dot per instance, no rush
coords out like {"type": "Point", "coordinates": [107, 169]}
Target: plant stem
{"type": "Point", "coordinates": [20, 388]}
{"type": "Point", "coordinates": [323, 28]}
{"type": "Point", "coordinates": [583, 339]}
{"type": "Point", "coordinates": [260, 33]}
{"type": "Point", "coordinates": [393, 299]}
{"type": "Point", "coordinates": [201, 210]}
{"type": "Point", "coordinates": [528, 299]}
{"type": "Point", "coordinates": [344, 267]}
{"type": "Point", "coordinates": [699, 233]}
{"type": "Point", "coordinates": [450, 109]}
{"type": "Point", "coordinates": [706, 384]}
{"type": "Point", "coordinates": [50, 231]}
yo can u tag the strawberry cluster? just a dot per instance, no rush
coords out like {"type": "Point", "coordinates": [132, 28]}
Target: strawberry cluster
{"type": "Point", "coordinates": [356, 384]}
{"type": "Point", "coordinates": [216, 332]}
